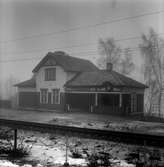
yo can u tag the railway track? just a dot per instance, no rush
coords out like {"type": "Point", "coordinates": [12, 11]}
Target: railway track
{"type": "Point", "coordinates": [119, 136]}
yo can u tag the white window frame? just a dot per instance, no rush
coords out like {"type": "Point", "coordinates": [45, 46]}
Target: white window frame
{"type": "Point", "coordinates": [52, 96]}
{"type": "Point", "coordinates": [46, 96]}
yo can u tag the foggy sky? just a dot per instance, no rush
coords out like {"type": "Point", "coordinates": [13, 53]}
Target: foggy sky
{"type": "Point", "coordinates": [23, 19]}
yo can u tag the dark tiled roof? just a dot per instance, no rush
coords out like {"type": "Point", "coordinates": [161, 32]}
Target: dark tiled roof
{"type": "Point", "coordinates": [27, 84]}
{"type": "Point", "coordinates": [98, 78]}
{"type": "Point", "coordinates": [67, 62]}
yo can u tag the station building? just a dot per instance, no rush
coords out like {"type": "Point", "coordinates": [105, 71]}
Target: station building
{"type": "Point", "coordinates": [63, 82]}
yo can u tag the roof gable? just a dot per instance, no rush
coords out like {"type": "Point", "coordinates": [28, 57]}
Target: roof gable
{"type": "Point", "coordinates": [68, 63]}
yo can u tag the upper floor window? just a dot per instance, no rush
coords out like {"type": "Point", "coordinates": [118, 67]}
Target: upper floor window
{"type": "Point", "coordinates": [50, 74]}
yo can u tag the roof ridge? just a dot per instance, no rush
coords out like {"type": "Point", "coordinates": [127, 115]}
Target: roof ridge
{"type": "Point", "coordinates": [68, 55]}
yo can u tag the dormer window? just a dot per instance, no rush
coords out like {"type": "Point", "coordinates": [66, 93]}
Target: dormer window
{"type": "Point", "coordinates": [50, 74]}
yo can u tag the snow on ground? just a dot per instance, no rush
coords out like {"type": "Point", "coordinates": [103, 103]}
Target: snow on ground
{"type": "Point", "coordinates": [54, 150]}
{"type": "Point", "coordinates": [5, 163]}
{"type": "Point", "coordinates": [50, 149]}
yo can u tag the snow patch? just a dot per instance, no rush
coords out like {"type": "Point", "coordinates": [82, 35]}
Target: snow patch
{"type": "Point", "coordinates": [5, 163]}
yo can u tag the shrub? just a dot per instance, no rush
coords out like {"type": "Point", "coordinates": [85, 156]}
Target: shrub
{"type": "Point", "coordinates": [6, 133]}
{"type": "Point", "coordinates": [75, 154]}
{"type": "Point", "coordinates": [21, 151]}
{"type": "Point", "coordinates": [92, 160]}
{"type": "Point", "coordinates": [100, 159]}
{"type": "Point", "coordinates": [142, 157]}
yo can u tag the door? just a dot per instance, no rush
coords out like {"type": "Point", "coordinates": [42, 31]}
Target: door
{"type": "Point", "coordinates": [126, 103]}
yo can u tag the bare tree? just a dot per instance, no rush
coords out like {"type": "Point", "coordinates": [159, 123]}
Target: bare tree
{"type": "Point", "coordinates": [10, 90]}
{"type": "Point", "coordinates": [0, 90]}
{"type": "Point", "coordinates": [152, 50]}
{"type": "Point", "coordinates": [127, 65]}
{"type": "Point", "coordinates": [110, 52]}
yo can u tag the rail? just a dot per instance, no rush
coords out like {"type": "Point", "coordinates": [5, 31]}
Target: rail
{"type": "Point", "coordinates": [130, 137]}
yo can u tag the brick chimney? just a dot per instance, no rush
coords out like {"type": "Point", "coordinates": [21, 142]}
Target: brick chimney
{"type": "Point", "coordinates": [109, 66]}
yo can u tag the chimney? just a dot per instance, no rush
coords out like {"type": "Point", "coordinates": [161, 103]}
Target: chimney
{"type": "Point", "coordinates": [109, 66]}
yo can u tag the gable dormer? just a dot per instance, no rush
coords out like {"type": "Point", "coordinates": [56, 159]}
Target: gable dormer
{"type": "Point", "coordinates": [68, 63]}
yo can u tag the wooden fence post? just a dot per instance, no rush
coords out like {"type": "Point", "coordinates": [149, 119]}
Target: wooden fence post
{"type": "Point", "coordinates": [15, 139]}
{"type": "Point", "coordinates": [66, 164]}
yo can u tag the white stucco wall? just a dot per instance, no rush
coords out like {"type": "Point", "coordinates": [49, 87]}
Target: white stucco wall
{"type": "Point", "coordinates": [58, 83]}
{"type": "Point", "coordinates": [61, 78]}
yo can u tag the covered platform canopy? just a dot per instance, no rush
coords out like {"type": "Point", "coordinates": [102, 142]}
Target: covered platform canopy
{"type": "Point", "coordinates": [105, 91]}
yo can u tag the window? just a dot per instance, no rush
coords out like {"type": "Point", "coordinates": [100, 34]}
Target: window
{"type": "Point", "coordinates": [44, 96]}
{"type": "Point", "coordinates": [50, 74]}
{"type": "Point", "coordinates": [55, 96]}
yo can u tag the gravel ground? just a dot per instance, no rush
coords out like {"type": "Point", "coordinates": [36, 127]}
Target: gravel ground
{"type": "Point", "coordinates": [97, 121]}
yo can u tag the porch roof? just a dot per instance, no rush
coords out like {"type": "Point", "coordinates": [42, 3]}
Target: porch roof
{"type": "Point", "coordinates": [27, 84]}
{"type": "Point", "coordinates": [101, 77]}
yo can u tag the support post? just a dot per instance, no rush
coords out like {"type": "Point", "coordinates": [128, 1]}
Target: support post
{"type": "Point", "coordinates": [120, 104]}
{"type": "Point", "coordinates": [17, 97]}
{"type": "Point", "coordinates": [96, 99]}
{"type": "Point", "coordinates": [15, 139]}
{"type": "Point", "coordinates": [91, 108]}
{"type": "Point", "coordinates": [68, 107]}
{"type": "Point", "coordinates": [131, 110]}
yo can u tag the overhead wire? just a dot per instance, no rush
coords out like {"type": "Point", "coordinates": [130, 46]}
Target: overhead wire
{"type": "Point", "coordinates": [76, 45]}
{"type": "Point", "coordinates": [73, 46]}
{"type": "Point", "coordinates": [84, 27]}
{"type": "Point", "coordinates": [89, 53]}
